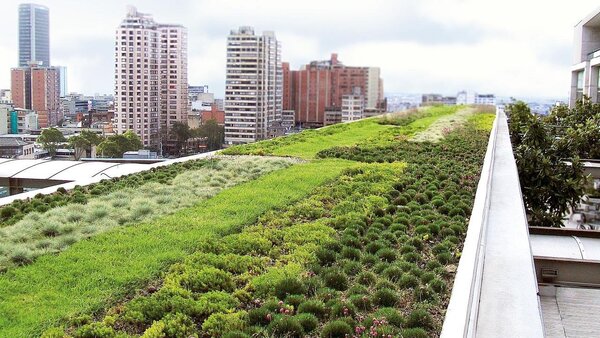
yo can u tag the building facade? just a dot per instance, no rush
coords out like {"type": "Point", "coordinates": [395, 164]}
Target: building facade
{"type": "Point", "coordinates": [151, 90]}
{"type": "Point", "coordinates": [253, 87]}
{"type": "Point", "coordinates": [353, 106]}
{"type": "Point", "coordinates": [585, 72]}
{"type": "Point", "coordinates": [38, 88]}
{"type": "Point", "coordinates": [321, 85]}
{"type": "Point", "coordinates": [34, 34]}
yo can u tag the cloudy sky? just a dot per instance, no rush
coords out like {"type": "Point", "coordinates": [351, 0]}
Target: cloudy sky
{"type": "Point", "coordinates": [508, 47]}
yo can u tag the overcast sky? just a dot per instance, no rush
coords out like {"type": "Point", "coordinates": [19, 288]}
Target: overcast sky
{"type": "Point", "coordinates": [508, 47]}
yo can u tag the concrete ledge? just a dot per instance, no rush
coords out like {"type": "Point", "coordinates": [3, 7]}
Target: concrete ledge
{"type": "Point", "coordinates": [495, 289]}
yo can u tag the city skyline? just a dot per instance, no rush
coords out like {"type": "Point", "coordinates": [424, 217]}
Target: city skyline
{"type": "Point", "coordinates": [508, 48]}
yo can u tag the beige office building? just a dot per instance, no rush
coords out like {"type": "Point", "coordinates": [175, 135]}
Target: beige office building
{"type": "Point", "coordinates": [150, 77]}
{"type": "Point", "coordinates": [253, 87]}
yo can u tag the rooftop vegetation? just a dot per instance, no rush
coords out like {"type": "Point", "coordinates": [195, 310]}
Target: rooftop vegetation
{"type": "Point", "coordinates": [362, 241]}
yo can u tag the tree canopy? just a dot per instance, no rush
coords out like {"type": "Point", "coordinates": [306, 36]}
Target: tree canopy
{"type": "Point", "coordinates": [116, 145]}
{"type": "Point", "coordinates": [548, 152]}
{"type": "Point", "coordinates": [84, 142]}
{"type": "Point", "coordinates": [50, 139]}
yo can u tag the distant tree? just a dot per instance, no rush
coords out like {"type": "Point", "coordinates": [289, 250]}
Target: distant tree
{"type": "Point", "coordinates": [182, 133]}
{"type": "Point", "coordinates": [84, 142]}
{"type": "Point", "coordinates": [50, 139]}
{"type": "Point", "coordinates": [116, 145]}
{"type": "Point", "coordinates": [548, 151]}
{"type": "Point", "coordinates": [213, 132]}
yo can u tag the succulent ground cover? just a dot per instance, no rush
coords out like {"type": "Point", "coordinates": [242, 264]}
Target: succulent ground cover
{"type": "Point", "coordinates": [371, 254]}
{"type": "Point", "coordinates": [97, 272]}
{"type": "Point", "coordinates": [55, 230]}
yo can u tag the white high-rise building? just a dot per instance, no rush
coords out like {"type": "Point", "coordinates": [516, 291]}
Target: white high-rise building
{"type": "Point", "coordinates": [253, 86]}
{"type": "Point", "coordinates": [150, 77]}
{"type": "Point", "coordinates": [353, 106]}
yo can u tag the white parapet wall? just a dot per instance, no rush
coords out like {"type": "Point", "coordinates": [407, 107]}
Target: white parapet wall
{"type": "Point", "coordinates": [495, 289]}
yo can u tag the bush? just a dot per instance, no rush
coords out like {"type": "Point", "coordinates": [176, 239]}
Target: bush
{"type": "Point", "coordinates": [351, 253]}
{"type": "Point", "coordinates": [259, 316]}
{"type": "Point", "coordinates": [207, 279]}
{"type": "Point", "coordinates": [289, 286]}
{"type": "Point", "coordinates": [415, 332]}
{"type": "Point", "coordinates": [286, 326]}
{"type": "Point", "coordinates": [393, 273]}
{"type": "Point", "coordinates": [391, 315]}
{"type": "Point", "coordinates": [236, 334]}
{"type": "Point", "coordinates": [308, 321]}
{"type": "Point", "coordinates": [357, 289]}
{"type": "Point", "coordinates": [423, 294]}
{"type": "Point", "coordinates": [179, 326]}
{"type": "Point", "coordinates": [94, 330]}
{"type": "Point", "coordinates": [219, 323]}
{"type": "Point", "coordinates": [337, 329]}
{"type": "Point", "coordinates": [385, 297]}
{"type": "Point", "coordinates": [437, 285]}
{"type": "Point", "coordinates": [366, 278]}
{"type": "Point", "coordinates": [387, 255]}
{"type": "Point", "coordinates": [420, 318]}
{"type": "Point", "coordinates": [325, 257]}
{"type": "Point", "coordinates": [444, 258]}
{"type": "Point", "coordinates": [55, 332]}
{"type": "Point", "coordinates": [362, 302]}
{"type": "Point", "coordinates": [314, 307]}
{"type": "Point", "coordinates": [342, 309]}
{"type": "Point", "coordinates": [408, 281]}
{"type": "Point", "coordinates": [336, 280]}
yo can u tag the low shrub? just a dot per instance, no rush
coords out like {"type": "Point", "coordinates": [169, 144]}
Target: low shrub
{"type": "Point", "coordinates": [420, 318]}
{"type": "Point", "coordinates": [286, 326]}
{"type": "Point", "coordinates": [308, 321]}
{"type": "Point", "coordinates": [219, 323]}
{"type": "Point", "coordinates": [337, 329]}
{"type": "Point", "coordinates": [386, 255]}
{"type": "Point", "coordinates": [314, 307]}
{"type": "Point", "coordinates": [366, 278]}
{"type": "Point", "coordinates": [336, 280]}
{"type": "Point", "coordinates": [289, 286]}
{"type": "Point", "coordinates": [414, 332]}
{"type": "Point", "coordinates": [385, 297]}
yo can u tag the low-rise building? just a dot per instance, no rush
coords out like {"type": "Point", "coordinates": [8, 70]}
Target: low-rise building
{"type": "Point", "coordinates": [352, 107]}
{"type": "Point", "coordinates": [16, 148]}
{"type": "Point", "coordinates": [586, 59]}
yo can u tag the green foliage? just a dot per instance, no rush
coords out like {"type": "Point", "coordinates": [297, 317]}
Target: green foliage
{"type": "Point", "coordinates": [51, 139]}
{"type": "Point", "coordinates": [134, 255]}
{"type": "Point", "coordinates": [84, 142]}
{"type": "Point", "coordinates": [213, 132]}
{"type": "Point", "coordinates": [541, 146]}
{"type": "Point", "coordinates": [314, 307]}
{"type": "Point", "coordinates": [308, 321]}
{"type": "Point", "coordinates": [289, 286]}
{"type": "Point", "coordinates": [286, 326]}
{"type": "Point", "coordinates": [219, 323]}
{"type": "Point", "coordinates": [116, 145]}
{"type": "Point", "coordinates": [337, 329]}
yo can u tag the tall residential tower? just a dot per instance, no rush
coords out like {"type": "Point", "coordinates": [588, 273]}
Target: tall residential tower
{"type": "Point", "coordinates": [34, 34]}
{"type": "Point", "coordinates": [253, 86]}
{"type": "Point", "coordinates": [150, 77]}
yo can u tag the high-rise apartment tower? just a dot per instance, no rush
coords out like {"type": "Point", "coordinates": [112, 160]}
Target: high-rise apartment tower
{"type": "Point", "coordinates": [34, 34]}
{"type": "Point", "coordinates": [150, 77]}
{"type": "Point", "coordinates": [253, 87]}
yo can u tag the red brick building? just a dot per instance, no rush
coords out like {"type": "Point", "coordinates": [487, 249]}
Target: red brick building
{"type": "Point", "coordinates": [320, 85]}
{"type": "Point", "coordinates": [37, 88]}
